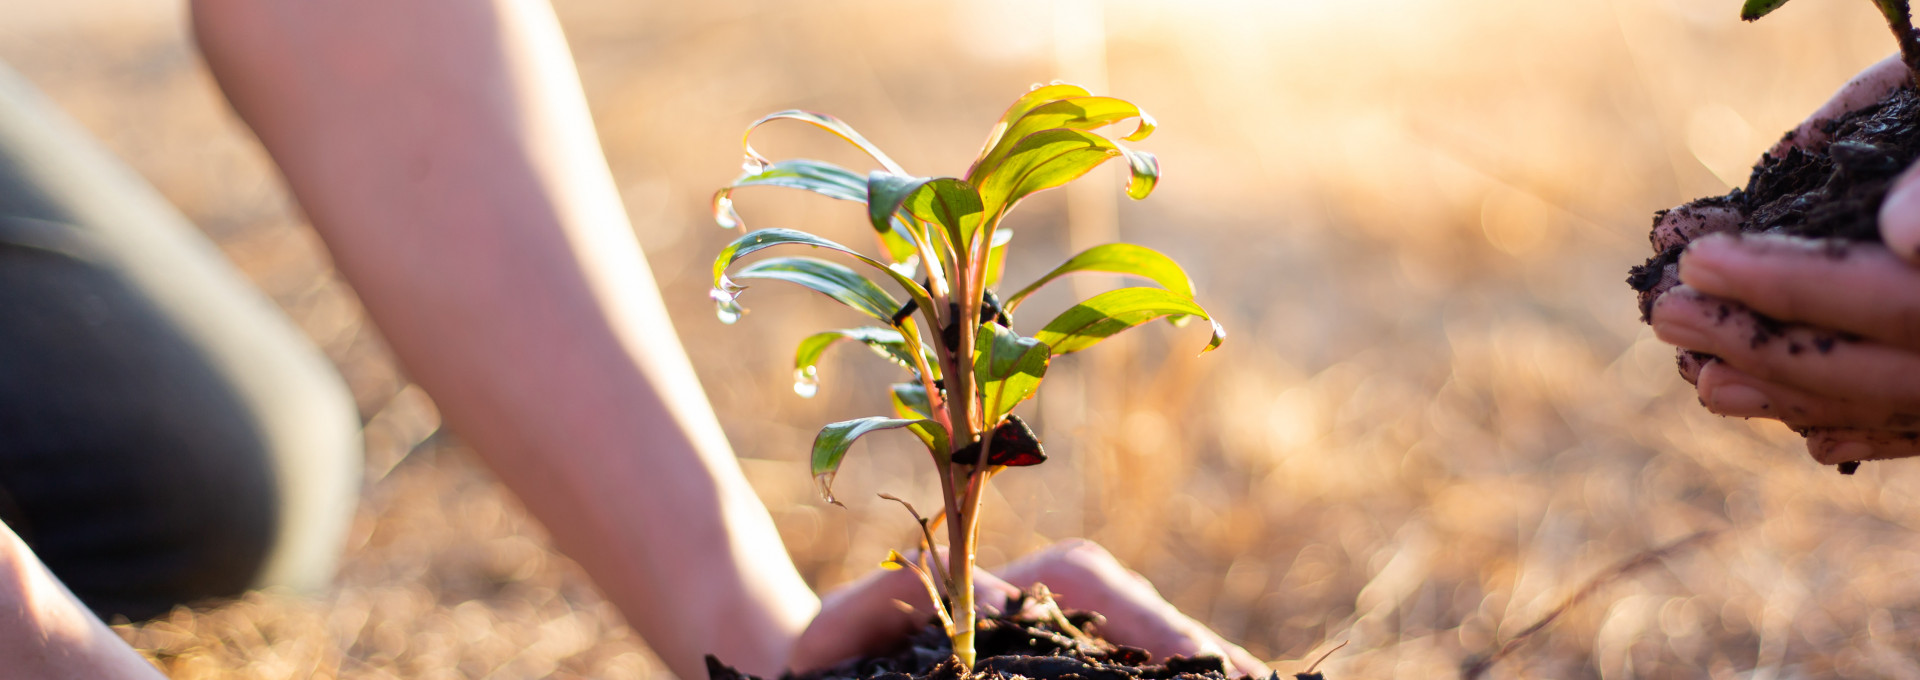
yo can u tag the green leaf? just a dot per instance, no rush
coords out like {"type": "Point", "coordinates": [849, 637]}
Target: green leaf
{"type": "Point", "coordinates": [1075, 113]}
{"type": "Point", "coordinates": [910, 400]}
{"type": "Point", "coordinates": [832, 280]}
{"type": "Point", "coordinates": [1039, 96]}
{"type": "Point", "coordinates": [1116, 258]}
{"type": "Point", "coordinates": [725, 292]}
{"type": "Point", "coordinates": [1143, 173]}
{"type": "Point", "coordinates": [1755, 9]}
{"type": "Point", "coordinates": [1108, 313]}
{"type": "Point", "coordinates": [1007, 368]}
{"type": "Point", "coordinates": [830, 446]}
{"type": "Point", "coordinates": [821, 178]}
{"type": "Point", "coordinates": [886, 342]}
{"type": "Point", "coordinates": [1041, 161]}
{"type": "Point", "coordinates": [951, 203]}
{"type": "Point", "coordinates": [756, 162]}
{"type": "Point", "coordinates": [997, 256]}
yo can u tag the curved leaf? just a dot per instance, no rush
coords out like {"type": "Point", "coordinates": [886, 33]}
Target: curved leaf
{"type": "Point", "coordinates": [910, 400]}
{"type": "Point", "coordinates": [1755, 9]}
{"type": "Point", "coordinates": [1076, 113]}
{"type": "Point", "coordinates": [1039, 95]}
{"type": "Point", "coordinates": [1108, 313]}
{"type": "Point", "coordinates": [827, 278]}
{"type": "Point", "coordinates": [1143, 173]}
{"type": "Point", "coordinates": [997, 256]}
{"type": "Point", "coordinates": [1041, 161]}
{"type": "Point", "coordinates": [821, 178]}
{"type": "Point", "coordinates": [756, 162]}
{"type": "Point", "coordinates": [886, 342]}
{"type": "Point", "coordinates": [725, 292]}
{"type": "Point", "coordinates": [1116, 258]}
{"type": "Point", "coordinates": [830, 446]}
{"type": "Point", "coordinates": [1007, 368]}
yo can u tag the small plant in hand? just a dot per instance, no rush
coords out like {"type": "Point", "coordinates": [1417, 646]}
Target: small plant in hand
{"type": "Point", "coordinates": [1826, 181]}
{"type": "Point", "coordinates": [942, 242]}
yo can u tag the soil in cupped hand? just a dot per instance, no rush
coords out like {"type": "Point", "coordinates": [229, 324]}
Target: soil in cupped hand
{"type": "Point", "coordinates": [1027, 644]}
{"type": "Point", "coordinates": [1831, 190]}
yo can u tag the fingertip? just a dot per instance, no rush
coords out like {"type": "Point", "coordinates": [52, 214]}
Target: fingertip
{"type": "Point", "coordinates": [1900, 216]}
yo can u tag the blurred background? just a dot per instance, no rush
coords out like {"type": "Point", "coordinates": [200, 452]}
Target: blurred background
{"type": "Point", "coordinates": [1436, 416]}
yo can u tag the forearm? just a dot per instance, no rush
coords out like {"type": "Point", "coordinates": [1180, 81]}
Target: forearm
{"type": "Point", "coordinates": [444, 152]}
{"type": "Point", "coordinates": [46, 634]}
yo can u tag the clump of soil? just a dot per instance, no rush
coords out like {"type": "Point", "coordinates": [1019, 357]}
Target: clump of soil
{"type": "Point", "coordinates": [1023, 645]}
{"type": "Point", "coordinates": [1831, 191]}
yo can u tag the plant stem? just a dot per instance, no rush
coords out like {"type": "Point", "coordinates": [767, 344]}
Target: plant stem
{"type": "Point", "coordinates": [1899, 16]}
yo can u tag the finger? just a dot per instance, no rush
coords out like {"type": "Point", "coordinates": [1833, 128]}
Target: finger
{"type": "Point", "coordinates": [1729, 391]}
{"type": "Point", "coordinates": [1841, 445]}
{"type": "Point", "coordinates": [1866, 88]}
{"type": "Point", "coordinates": [1691, 363]}
{"type": "Point", "coordinates": [1860, 288]}
{"type": "Point", "coordinates": [1817, 361]}
{"type": "Point", "coordinates": [1085, 576]}
{"type": "Point", "coordinates": [1680, 226]}
{"type": "Point", "coordinates": [1900, 216]}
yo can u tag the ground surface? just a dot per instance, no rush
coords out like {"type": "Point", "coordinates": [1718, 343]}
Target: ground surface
{"type": "Point", "coordinates": [1437, 414]}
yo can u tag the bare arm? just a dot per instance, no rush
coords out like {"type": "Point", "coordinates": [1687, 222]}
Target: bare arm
{"type": "Point", "coordinates": [46, 634]}
{"type": "Point", "coordinates": [444, 151]}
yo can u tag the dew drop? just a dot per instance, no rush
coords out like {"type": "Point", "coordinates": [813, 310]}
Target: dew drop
{"type": "Point", "coordinates": [723, 212]}
{"type": "Point", "coordinates": [726, 306]}
{"type": "Point", "coordinates": [806, 382]}
{"type": "Point", "coordinates": [754, 165]}
{"type": "Point", "coordinates": [824, 480]}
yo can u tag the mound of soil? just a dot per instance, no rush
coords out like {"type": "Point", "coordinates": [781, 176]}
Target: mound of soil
{"type": "Point", "coordinates": [1831, 191]}
{"type": "Point", "coordinates": [1025, 645]}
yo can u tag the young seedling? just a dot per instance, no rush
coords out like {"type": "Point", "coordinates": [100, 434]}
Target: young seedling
{"type": "Point", "coordinates": [1899, 18]}
{"type": "Point", "coordinates": [942, 243]}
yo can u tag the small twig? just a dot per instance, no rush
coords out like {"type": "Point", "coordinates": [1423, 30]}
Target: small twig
{"type": "Point", "coordinates": [926, 543]}
{"type": "Point", "coordinates": [1323, 657]}
{"type": "Point", "coordinates": [1479, 667]}
{"type": "Point", "coordinates": [895, 561]}
{"type": "Point", "coordinates": [1044, 597]}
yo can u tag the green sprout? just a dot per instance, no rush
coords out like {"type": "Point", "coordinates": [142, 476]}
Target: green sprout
{"type": "Point", "coordinates": [967, 365]}
{"type": "Point", "coordinates": [1899, 17]}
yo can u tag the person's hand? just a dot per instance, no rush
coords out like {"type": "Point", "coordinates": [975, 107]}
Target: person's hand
{"type": "Point", "coordinates": [1844, 368]}
{"type": "Point", "coordinates": [879, 610]}
{"type": "Point", "coordinates": [874, 613]}
{"type": "Point", "coordinates": [1083, 575]}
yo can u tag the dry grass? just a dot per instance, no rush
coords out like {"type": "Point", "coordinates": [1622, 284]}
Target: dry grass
{"type": "Point", "coordinates": [1436, 418]}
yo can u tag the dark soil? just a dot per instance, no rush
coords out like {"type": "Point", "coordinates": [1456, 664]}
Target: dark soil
{"type": "Point", "coordinates": [1017, 646]}
{"type": "Point", "coordinates": [1832, 191]}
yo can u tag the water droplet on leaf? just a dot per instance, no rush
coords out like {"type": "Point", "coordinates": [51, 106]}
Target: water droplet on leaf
{"type": "Point", "coordinates": [806, 382]}
{"type": "Point", "coordinates": [754, 165]}
{"type": "Point", "coordinates": [723, 212]}
{"type": "Point", "coordinates": [726, 306]}
{"type": "Point", "coordinates": [825, 481]}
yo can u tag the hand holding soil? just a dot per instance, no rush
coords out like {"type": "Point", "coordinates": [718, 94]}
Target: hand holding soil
{"type": "Point", "coordinates": [1789, 299]}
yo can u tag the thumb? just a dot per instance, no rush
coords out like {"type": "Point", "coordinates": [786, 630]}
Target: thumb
{"type": "Point", "coordinates": [1900, 216]}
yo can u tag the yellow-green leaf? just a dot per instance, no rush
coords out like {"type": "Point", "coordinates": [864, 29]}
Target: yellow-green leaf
{"type": "Point", "coordinates": [1109, 313]}
{"type": "Point", "coordinates": [1116, 258]}
{"type": "Point", "coordinates": [1076, 113]}
{"type": "Point", "coordinates": [1007, 368]}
